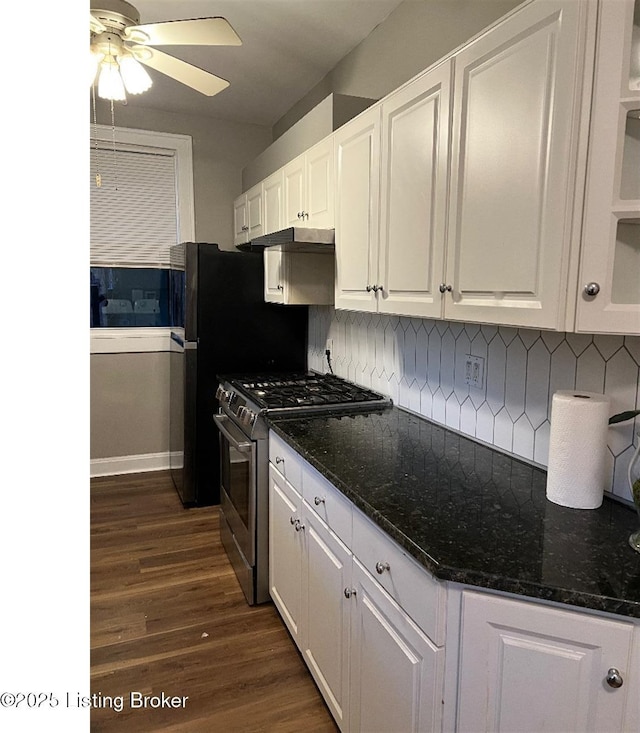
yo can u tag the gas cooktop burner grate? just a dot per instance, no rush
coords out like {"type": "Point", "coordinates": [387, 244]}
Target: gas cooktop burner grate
{"type": "Point", "coordinates": [287, 391]}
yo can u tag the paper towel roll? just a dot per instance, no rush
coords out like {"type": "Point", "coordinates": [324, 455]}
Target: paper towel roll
{"type": "Point", "coordinates": [576, 473]}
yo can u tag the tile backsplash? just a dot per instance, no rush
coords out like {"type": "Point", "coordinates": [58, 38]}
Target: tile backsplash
{"type": "Point", "coordinates": [421, 364]}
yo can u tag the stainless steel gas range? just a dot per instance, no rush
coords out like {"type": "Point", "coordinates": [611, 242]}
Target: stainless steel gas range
{"type": "Point", "coordinates": [245, 403]}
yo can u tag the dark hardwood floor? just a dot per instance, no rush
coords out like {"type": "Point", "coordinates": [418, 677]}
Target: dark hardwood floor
{"type": "Point", "coordinates": [168, 616]}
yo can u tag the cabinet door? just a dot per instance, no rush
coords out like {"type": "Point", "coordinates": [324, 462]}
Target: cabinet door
{"type": "Point", "coordinates": [415, 150]}
{"type": "Point", "coordinates": [294, 192]}
{"type": "Point", "coordinates": [396, 671]}
{"type": "Point", "coordinates": [285, 551]}
{"type": "Point", "coordinates": [611, 240]}
{"type": "Point", "coordinates": [513, 167]}
{"type": "Point", "coordinates": [357, 156]}
{"type": "Point", "coordinates": [273, 275]}
{"type": "Point", "coordinates": [527, 667]}
{"type": "Point", "coordinates": [254, 211]}
{"type": "Point", "coordinates": [273, 202]}
{"type": "Point", "coordinates": [320, 188]}
{"type": "Point", "coordinates": [240, 228]}
{"type": "Point", "coordinates": [326, 573]}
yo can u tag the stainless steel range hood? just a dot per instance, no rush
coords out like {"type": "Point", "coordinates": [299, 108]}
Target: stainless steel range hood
{"type": "Point", "coordinates": [298, 239]}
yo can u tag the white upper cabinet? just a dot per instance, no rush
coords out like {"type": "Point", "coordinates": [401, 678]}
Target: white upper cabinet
{"type": "Point", "coordinates": [273, 202]}
{"type": "Point", "coordinates": [514, 144]}
{"type": "Point", "coordinates": [413, 188]}
{"type": "Point", "coordinates": [298, 278]}
{"type": "Point", "coordinates": [309, 188]}
{"type": "Point", "coordinates": [240, 226]}
{"type": "Point", "coordinates": [248, 215]}
{"type": "Point", "coordinates": [357, 156]}
{"type": "Point", "coordinates": [609, 282]}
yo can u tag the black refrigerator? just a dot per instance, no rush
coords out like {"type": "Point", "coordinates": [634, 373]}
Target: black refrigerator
{"type": "Point", "coordinates": [220, 324]}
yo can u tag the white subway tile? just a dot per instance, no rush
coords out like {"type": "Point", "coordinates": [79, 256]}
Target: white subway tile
{"type": "Point", "coordinates": [523, 436]}
{"type": "Point", "coordinates": [515, 378]}
{"type": "Point", "coordinates": [537, 384]}
{"type": "Point", "coordinates": [590, 370]}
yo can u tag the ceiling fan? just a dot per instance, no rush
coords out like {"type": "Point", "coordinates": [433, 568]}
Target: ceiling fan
{"type": "Point", "coordinates": [119, 45]}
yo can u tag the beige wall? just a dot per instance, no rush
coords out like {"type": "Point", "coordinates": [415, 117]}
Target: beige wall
{"type": "Point", "coordinates": [414, 36]}
{"type": "Point", "coordinates": [221, 149]}
{"type": "Point", "coordinates": [129, 404]}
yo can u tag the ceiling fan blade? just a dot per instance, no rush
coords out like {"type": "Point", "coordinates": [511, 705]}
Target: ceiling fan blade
{"type": "Point", "coordinates": [197, 32]}
{"type": "Point", "coordinates": [95, 26]}
{"type": "Point", "coordinates": [194, 77]}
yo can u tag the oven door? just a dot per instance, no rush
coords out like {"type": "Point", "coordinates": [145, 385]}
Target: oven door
{"type": "Point", "coordinates": [238, 485]}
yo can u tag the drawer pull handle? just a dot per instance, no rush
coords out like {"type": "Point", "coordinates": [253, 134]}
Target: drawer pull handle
{"type": "Point", "coordinates": [318, 500]}
{"type": "Point", "coordinates": [381, 567]}
{"type": "Point", "coordinates": [348, 592]}
{"type": "Point", "coordinates": [614, 678]}
{"type": "Point", "coordinates": [279, 460]}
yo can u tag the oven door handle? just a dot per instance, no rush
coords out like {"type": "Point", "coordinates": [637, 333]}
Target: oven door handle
{"type": "Point", "coordinates": [243, 446]}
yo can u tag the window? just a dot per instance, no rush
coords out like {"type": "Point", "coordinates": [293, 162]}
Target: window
{"type": "Point", "coordinates": [142, 205]}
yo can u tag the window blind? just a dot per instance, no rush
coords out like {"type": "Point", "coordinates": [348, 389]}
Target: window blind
{"type": "Point", "coordinates": [134, 216]}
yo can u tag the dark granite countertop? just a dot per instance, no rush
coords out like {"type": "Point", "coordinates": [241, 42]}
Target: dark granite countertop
{"type": "Point", "coordinates": [472, 514]}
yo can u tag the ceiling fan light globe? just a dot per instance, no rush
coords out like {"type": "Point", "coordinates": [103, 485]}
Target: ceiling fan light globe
{"type": "Point", "coordinates": [134, 75]}
{"type": "Point", "coordinates": [95, 60]}
{"type": "Point", "coordinates": [110, 85]}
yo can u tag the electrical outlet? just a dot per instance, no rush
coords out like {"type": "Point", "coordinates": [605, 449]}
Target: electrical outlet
{"type": "Point", "coordinates": [329, 346]}
{"type": "Point", "coordinates": [474, 371]}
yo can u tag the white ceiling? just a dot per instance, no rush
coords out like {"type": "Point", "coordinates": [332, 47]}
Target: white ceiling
{"type": "Point", "coordinates": [288, 46]}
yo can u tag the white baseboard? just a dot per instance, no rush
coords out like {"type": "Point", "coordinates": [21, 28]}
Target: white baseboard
{"type": "Point", "coordinates": [129, 464]}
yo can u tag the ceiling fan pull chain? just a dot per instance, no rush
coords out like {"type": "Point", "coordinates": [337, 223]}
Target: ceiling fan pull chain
{"type": "Point", "coordinates": [113, 141]}
{"type": "Point", "coordinates": [95, 138]}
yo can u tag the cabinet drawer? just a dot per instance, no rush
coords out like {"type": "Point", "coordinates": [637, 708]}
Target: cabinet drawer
{"type": "Point", "coordinates": [408, 583]}
{"type": "Point", "coordinates": [286, 460]}
{"type": "Point", "coordinates": [327, 502]}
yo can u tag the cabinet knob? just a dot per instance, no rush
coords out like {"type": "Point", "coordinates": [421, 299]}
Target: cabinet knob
{"type": "Point", "coordinates": [370, 288]}
{"type": "Point", "coordinates": [279, 459]}
{"type": "Point", "coordinates": [279, 287]}
{"type": "Point", "coordinates": [614, 678]}
{"type": "Point", "coordinates": [591, 289]}
{"type": "Point", "coordinates": [381, 567]}
{"type": "Point", "coordinates": [318, 500]}
{"type": "Point", "coordinates": [299, 215]}
{"type": "Point", "coordinates": [444, 288]}
{"type": "Point", "coordinates": [298, 525]}
{"type": "Point", "coordinates": [292, 520]}
{"type": "Point", "coordinates": [348, 592]}
{"type": "Point", "coordinates": [245, 228]}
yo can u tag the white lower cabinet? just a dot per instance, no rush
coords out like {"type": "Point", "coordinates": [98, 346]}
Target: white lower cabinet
{"type": "Point", "coordinates": [524, 666]}
{"type": "Point", "coordinates": [325, 646]}
{"type": "Point", "coordinates": [285, 551]}
{"type": "Point", "coordinates": [396, 670]}
{"type": "Point", "coordinates": [375, 667]}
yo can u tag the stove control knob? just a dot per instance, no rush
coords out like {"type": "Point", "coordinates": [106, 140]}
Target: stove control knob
{"type": "Point", "coordinates": [232, 398]}
{"type": "Point", "coordinates": [241, 413]}
{"type": "Point", "coordinates": [250, 417]}
{"type": "Point", "coordinates": [223, 395]}
{"type": "Point", "coordinates": [219, 392]}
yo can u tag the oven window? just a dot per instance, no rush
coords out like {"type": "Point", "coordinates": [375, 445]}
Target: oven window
{"type": "Point", "coordinates": [236, 475]}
